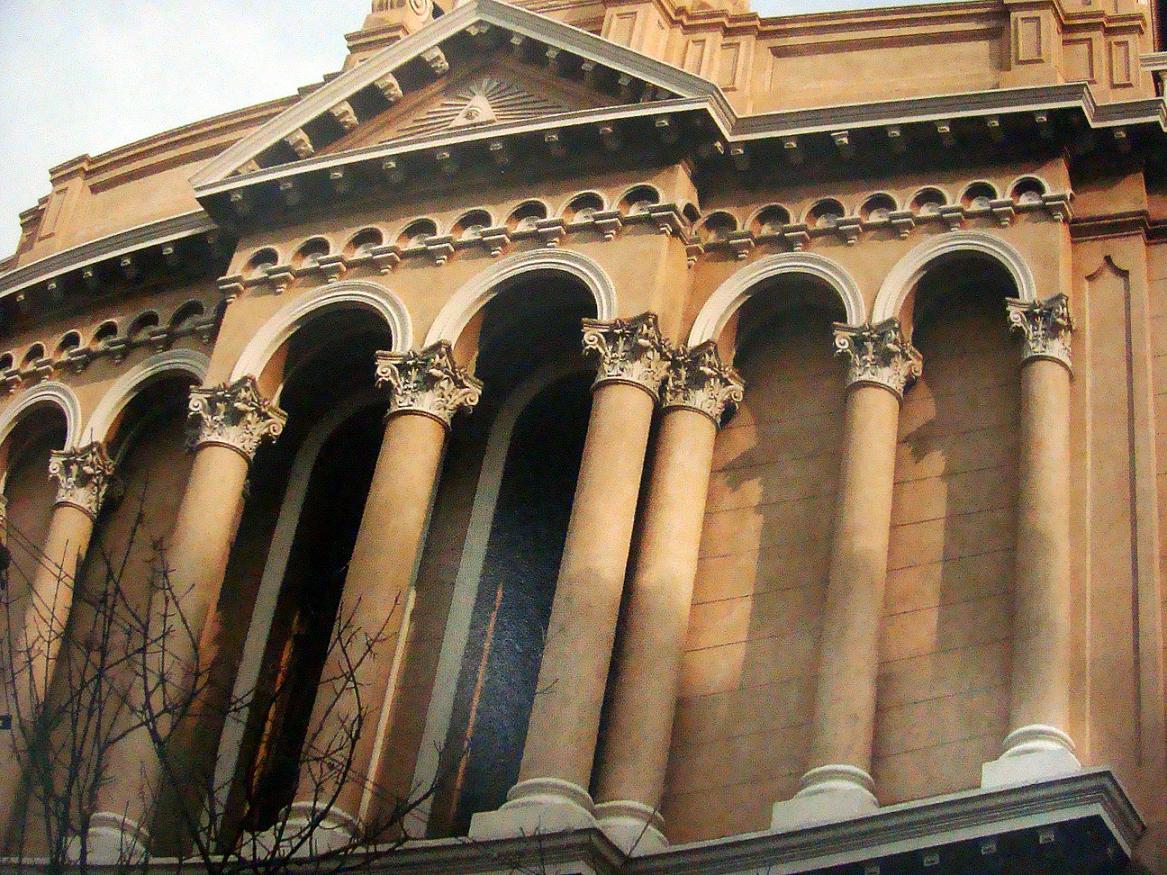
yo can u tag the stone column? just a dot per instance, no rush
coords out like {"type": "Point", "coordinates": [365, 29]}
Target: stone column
{"type": "Point", "coordinates": [426, 389]}
{"type": "Point", "coordinates": [83, 477]}
{"type": "Point", "coordinates": [232, 421]}
{"type": "Point", "coordinates": [838, 784]}
{"type": "Point", "coordinates": [698, 393]}
{"type": "Point", "coordinates": [551, 794]}
{"type": "Point", "coordinates": [1038, 744]}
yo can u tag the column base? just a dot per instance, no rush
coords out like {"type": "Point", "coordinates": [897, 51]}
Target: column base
{"type": "Point", "coordinates": [111, 840]}
{"type": "Point", "coordinates": [1031, 753]}
{"type": "Point", "coordinates": [633, 827]}
{"type": "Point", "coordinates": [829, 793]}
{"type": "Point", "coordinates": [536, 807]}
{"type": "Point", "coordinates": [295, 836]}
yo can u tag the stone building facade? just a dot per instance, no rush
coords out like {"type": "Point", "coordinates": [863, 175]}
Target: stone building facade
{"type": "Point", "coordinates": [741, 437]}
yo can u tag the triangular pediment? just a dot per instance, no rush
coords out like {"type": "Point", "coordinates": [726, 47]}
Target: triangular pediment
{"type": "Point", "coordinates": [486, 66]}
{"type": "Point", "coordinates": [498, 91]}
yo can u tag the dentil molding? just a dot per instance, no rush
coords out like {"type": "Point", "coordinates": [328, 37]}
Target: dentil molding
{"type": "Point", "coordinates": [699, 380]}
{"type": "Point", "coordinates": [1046, 325]}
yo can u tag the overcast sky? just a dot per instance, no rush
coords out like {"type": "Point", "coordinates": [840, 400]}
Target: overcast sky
{"type": "Point", "coordinates": [80, 77]}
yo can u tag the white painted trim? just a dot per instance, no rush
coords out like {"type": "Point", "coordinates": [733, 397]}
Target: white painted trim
{"type": "Point", "coordinates": [259, 628]}
{"type": "Point", "coordinates": [473, 295]}
{"type": "Point", "coordinates": [734, 292]}
{"type": "Point", "coordinates": [457, 634]}
{"type": "Point", "coordinates": [51, 392]}
{"type": "Point", "coordinates": [137, 378]}
{"type": "Point", "coordinates": [908, 270]}
{"type": "Point", "coordinates": [281, 326]}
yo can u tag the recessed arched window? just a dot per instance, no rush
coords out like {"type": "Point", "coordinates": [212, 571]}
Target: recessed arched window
{"type": "Point", "coordinates": [187, 314]}
{"type": "Point", "coordinates": [142, 325]}
{"type": "Point", "coordinates": [417, 232]}
{"type": "Point", "coordinates": [769, 220]}
{"type": "Point", "coordinates": [106, 332]}
{"type": "Point", "coordinates": [525, 215]}
{"type": "Point", "coordinates": [1028, 190]}
{"type": "Point", "coordinates": [266, 257]}
{"type": "Point", "coordinates": [717, 226]}
{"type": "Point", "coordinates": [691, 213]}
{"type": "Point", "coordinates": [639, 200]}
{"type": "Point", "coordinates": [6, 361]}
{"type": "Point", "coordinates": [35, 353]}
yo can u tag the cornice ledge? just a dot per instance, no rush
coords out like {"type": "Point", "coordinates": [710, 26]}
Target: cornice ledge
{"type": "Point", "coordinates": [920, 825]}
{"type": "Point", "coordinates": [112, 246]}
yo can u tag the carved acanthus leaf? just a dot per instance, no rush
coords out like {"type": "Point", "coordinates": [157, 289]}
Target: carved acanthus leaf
{"type": "Point", "coordinates": [82, 476]}
{"type": "Point", "coordinates": [699, 380]}
{"type": "Point", "coordinates": [1047, 326]}
{"type": "Point", "coordinates": [236, 416]}
{"type": "Point", "coordinates": [629, 350]}
{"type": "Point", "coordinates": [428, 382]}
{"type": "Point", "coordinates": [879, 355]}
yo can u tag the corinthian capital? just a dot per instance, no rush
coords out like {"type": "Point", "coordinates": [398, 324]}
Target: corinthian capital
{"type": "Point", "coordinates": [630, 351]}
{"type": "Point", "coordinates": [235, 416]}
{"type": "Point", "coordinates": [699, 380]}
{"type": "Point", "coordinates": [1047, 326]}
{"type": "Point", "coordinates": [427, 382]}
{"type": "Point", "coordinates": [879, 355]}
{"type": "Point", "coordinates": [82, 476]}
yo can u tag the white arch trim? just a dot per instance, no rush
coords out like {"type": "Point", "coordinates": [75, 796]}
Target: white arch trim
{"type": "Point", "coordinates": [281, 326]}
{"type": "Point", "coordinates": [908, 270]}
{"type": "Point", "coordinates": [734, 292]}
{"type": "Point", "coordinates": [51, 392]}
{"type": "Point", "coordinates": [129, 384]}
{"type": "Point", "coordinates": [473, 295]}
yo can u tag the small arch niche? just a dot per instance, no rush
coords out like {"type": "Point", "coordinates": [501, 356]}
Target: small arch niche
{"type": "Point", "coordinates": [718, 226]}
{"type": "Point", "coordinates": [266, 257]}
{"type": "Point", "coordinates": [142, 325]}
{"type": "Point", "coordinates": [471, 225]}
{"type": "Point", "coordinates": [416, 233]}
{"type": "Point", "coordinates": [524, 216]}
{"type": "Point", "coordinates": [770, 220]}
{"type": "Point", "coordinates": [639, 200]}
{"type": "Point", "coordinates": [71, 340]}
{"type": "Point", "coordinates": [106, 332]}
{"type": "Point", "coordinates": [583, 207]}
{"type": "Point", "coordinates": [691, 213]}
{"type": "Point", "coordinates": [6, 361]}
{"type": "Point", "coordinates": [928, 201]}
{"type": "Point", "coordinates": [363, 242]}
{"type": "Point", "coordinates": [35, 353]}
{"type": "Point", "coordinates": [878, 208]}
{"type": "Point", "coordinates": [1028, 191]}
{"type": "Point", "coordinates": [978, 196]}
{"type": "Point", "coordinates": [311, 252]}
{"type": "Point", "coordinates": [186, 315]}
{"type": "Point", "coordinates": [825, 214]}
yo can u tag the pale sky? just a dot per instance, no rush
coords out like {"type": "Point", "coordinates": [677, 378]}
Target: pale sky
{"type": "Point", "coordinates": [79, 77]}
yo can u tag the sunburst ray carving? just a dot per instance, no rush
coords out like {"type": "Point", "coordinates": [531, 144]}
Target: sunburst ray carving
{"type": "Point", "coordinates": [487, 101]}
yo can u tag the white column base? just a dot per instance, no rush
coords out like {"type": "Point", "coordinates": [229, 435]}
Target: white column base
{"type": "Point", "coordinates": [334, 831]}
{"type": "Point", "coordinates": [111, 839]}
{"type": "Point", "coordinates": [537, 807]}
{"type": "Point", "coordinates": [829, 793]}
{"type": "Point", "coordinates": [1031, 753]}
{"type": "Point", "coordinates": [633, 827]}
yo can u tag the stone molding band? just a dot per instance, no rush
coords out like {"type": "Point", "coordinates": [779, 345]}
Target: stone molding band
{"type": "Point", "coordinates": [879, 355]}
{"type": "Point", "coordinates": [698, 380]}
{"type": "Point", "coordinates": [1047, 327]}
{"type": "Point", "coordinates": [83, 477]}
{"type": "Point", "coordinates": [427, 382]}
{"type": "Point", "coordinates": [236, 416]}
{"type": "Point", "coordinates": [630, 351]}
